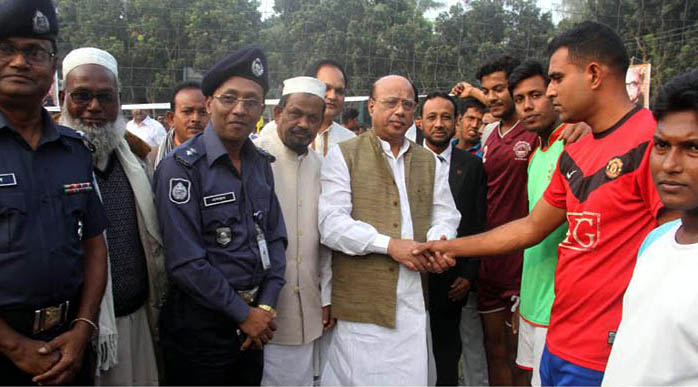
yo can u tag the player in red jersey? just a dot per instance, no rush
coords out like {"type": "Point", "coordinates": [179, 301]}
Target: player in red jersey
{"type": "Point", "coordinates": [603, 188]}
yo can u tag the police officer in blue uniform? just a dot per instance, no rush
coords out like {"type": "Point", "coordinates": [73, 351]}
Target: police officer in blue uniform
{"type": "Point", "coordinates": [53, 263]}
{"type": "Point", "coordinates": [224, 236]}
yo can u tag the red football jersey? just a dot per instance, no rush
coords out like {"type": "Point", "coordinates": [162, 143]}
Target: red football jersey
{"type": "Point", "coordinates": [506, 164]}
{"type": "Point", "coordinates": [604, 183]}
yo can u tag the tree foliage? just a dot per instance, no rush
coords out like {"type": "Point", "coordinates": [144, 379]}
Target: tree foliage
{"type": "Point", "coordinates": [159, 43]}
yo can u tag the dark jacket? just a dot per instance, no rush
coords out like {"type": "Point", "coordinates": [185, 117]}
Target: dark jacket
{"type": "Point", "coordinates": [469, 188]}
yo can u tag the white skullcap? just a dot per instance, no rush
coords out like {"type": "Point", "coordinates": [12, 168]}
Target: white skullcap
{"type": "Point", "coordinates": [89, 55]}
{"type": "Point", "coordinates": [304, 85]}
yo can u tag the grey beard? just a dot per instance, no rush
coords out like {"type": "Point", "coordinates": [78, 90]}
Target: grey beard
{"type": "Point", "coordinates": [105, 138]}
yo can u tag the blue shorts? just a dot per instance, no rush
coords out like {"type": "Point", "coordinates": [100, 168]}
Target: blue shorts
{"type": "Point", "coordinates": [555, 371]}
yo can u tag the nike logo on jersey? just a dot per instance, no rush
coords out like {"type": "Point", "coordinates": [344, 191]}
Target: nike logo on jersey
{"type": "Point", "coordinates": [618, 166]}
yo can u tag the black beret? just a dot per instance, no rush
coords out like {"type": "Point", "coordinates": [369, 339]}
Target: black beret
{"type": "Point", "coordinates": [250, 63]}
{"type": "Point", "coordinates": [28, 19]}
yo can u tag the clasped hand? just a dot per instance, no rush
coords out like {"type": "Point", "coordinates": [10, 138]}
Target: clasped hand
{"type": "Point", "coordinates": [259, 326]}
{"type": "Point", "coordinates": [420, 257]}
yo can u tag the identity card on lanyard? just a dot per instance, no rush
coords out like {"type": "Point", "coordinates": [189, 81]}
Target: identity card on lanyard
{"type": "Point", "coordinates": [262, 242]}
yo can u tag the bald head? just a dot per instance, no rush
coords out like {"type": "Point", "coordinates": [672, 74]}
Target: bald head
{"type": "Point", "coordinates": [391, 106]}
{"type": "Point", "coordinates": [389, 78]}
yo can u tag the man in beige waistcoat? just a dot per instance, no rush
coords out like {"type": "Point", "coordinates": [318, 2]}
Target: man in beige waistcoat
{"type": "Point", "coordinates": [303, 306]}
{"type": "Point", "coordinates": [381, 194]}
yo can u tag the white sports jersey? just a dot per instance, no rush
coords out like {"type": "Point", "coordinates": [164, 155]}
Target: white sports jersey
{"type": "Point", "coordinates": [657, 340]}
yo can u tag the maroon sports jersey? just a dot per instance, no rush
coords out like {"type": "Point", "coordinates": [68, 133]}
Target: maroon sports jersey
{"type": "Point", "coordinates": [506, 164]}
{"type": "Point", "coordinates": [603, 181]}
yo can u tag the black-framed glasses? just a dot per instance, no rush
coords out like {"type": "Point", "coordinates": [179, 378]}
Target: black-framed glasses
{"type": "Point", "coordinates": [84, 97]}
{"type": "Point", "coordinates": [32, 53]}
{"type": "Point", "coordinates": [407, 104]}
{"type": "Point", "coordinates": [230, 101]}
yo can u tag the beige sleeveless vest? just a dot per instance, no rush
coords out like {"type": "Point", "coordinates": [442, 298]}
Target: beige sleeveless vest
{"type": "Point", "coordinates": [364, 287]}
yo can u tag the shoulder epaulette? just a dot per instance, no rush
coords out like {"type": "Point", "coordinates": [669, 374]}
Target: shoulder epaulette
{"type": "Point", "coordinates": [76, 134]}
{"type": "Point", "coordinates": [187, 155]}
{"type": "Point", "coordinates": [266, 154]}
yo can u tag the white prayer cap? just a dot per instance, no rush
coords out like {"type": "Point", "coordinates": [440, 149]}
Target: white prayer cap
{"type": "Point", "coordinates": [89, 55]}
{"type": "Point", "coordinates": [304, 85]}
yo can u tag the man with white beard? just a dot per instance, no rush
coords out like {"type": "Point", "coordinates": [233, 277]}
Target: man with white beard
{"type": "Point", "coordinates": [91, 105]}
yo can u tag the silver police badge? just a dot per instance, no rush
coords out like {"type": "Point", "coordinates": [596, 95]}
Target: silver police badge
{"type": "Point", "coordinates": [223, 236]}
{"type": "Point", "coordinates": [180, 190]}
{"type": "Point", "coordinates": [41, 24]}
{"type": "Point", "coordinates": [257, 67]}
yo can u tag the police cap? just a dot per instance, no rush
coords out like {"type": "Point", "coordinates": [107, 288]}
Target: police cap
{"type": "Point", "coordinates": [250, 63]}
{"type": "Point", "coordinates": [28, 19]}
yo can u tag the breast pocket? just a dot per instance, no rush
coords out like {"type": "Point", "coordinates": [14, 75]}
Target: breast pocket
{"type": "Point", "coordinates": [222, 226]}
{"type": "Point", "coordinates": [12, 221]}
{"type": "Point", "coordinates": [73, 217]}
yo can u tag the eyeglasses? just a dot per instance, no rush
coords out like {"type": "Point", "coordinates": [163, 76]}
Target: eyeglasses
{"type": "Point", "coordinates": [83, 97]}
{"type": "Point", "coordinates": [230, 101]}
{"type": "Point", "coordinates": [33, 54]}
{"type": "Point", "coordinates": [408, 105]}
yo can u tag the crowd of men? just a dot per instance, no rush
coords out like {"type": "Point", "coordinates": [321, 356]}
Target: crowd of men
{"type": "Point", "coordinates": [539, 228]}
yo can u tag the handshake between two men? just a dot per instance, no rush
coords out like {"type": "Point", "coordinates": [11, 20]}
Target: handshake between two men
{"type": "Point", "coordinates": [422, 257]}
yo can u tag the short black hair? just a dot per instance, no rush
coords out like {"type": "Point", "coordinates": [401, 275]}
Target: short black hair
{"type": "Point", "coordinates": [349, 114]}
{"type": "Point", "coordinates": [187, 85]}
{"type": "Point", "coordinates": [439, 94]}
{"type": "Point", "coordinates": [372, 93]}
{"type": "Point", "coordinates": [679, 94]}
{"type": "Point", "coordinates": [473, 103]}
{"type": "Point", "coordinates": [525, 70]}
{"type": "Point", "coordinates": [316, 66]}
{"type": "Point", "coordinates": [589, 41]}
{"type": "Point", "coordinates": [504, 63]}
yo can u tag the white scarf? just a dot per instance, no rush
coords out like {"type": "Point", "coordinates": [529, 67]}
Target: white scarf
{"type": "Point", "coordinates": [106, 345]}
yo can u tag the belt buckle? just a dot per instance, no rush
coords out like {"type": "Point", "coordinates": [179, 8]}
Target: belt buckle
{"type": "Point", "coordinates": [248, 295]}
{"type": "Point", "coordinates": [49, 317]}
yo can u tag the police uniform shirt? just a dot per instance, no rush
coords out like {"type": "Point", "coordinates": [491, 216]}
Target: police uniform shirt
{"type": "Point", "coordinates": [206, 211]}
{"type": "Point", "coordinates": [48, 204]}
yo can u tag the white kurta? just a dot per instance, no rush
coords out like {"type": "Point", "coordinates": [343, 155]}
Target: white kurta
{"type": "Point", "coordinates": [288, 359]}
{"type": "Point", "coordinates": [369, 354]}
{"type": "Point", "coordinates": [149, 130]}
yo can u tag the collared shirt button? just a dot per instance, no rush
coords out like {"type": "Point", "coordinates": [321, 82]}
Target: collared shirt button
{"type": "Point", "coordinates": [296, 289]}
{"type": "Point", "coordinates": [300, 260]}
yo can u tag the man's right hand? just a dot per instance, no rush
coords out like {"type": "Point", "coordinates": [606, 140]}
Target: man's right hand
{"type": "Point", "coordinates": [401, 251]}
{"type": "Point", "coordinates": [462, 90]}
{"type": "Point", "coordinates": [258, 326]}
{"type": "Point", "coordinates": [26, 357]}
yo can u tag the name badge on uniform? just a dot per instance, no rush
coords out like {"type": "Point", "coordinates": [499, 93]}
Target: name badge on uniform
{"type": "Point", "coordinates": [180, 190]}
{"type": "Point", "coordinates": [223, 236]}
{"type": "Point", "coordinates": [7, 180]}
{"type": "Point", "coordinates": [215, 200]}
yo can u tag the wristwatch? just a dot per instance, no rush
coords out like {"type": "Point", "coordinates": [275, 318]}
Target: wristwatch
{"type": "Point", "coordinates": [268, 309]}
